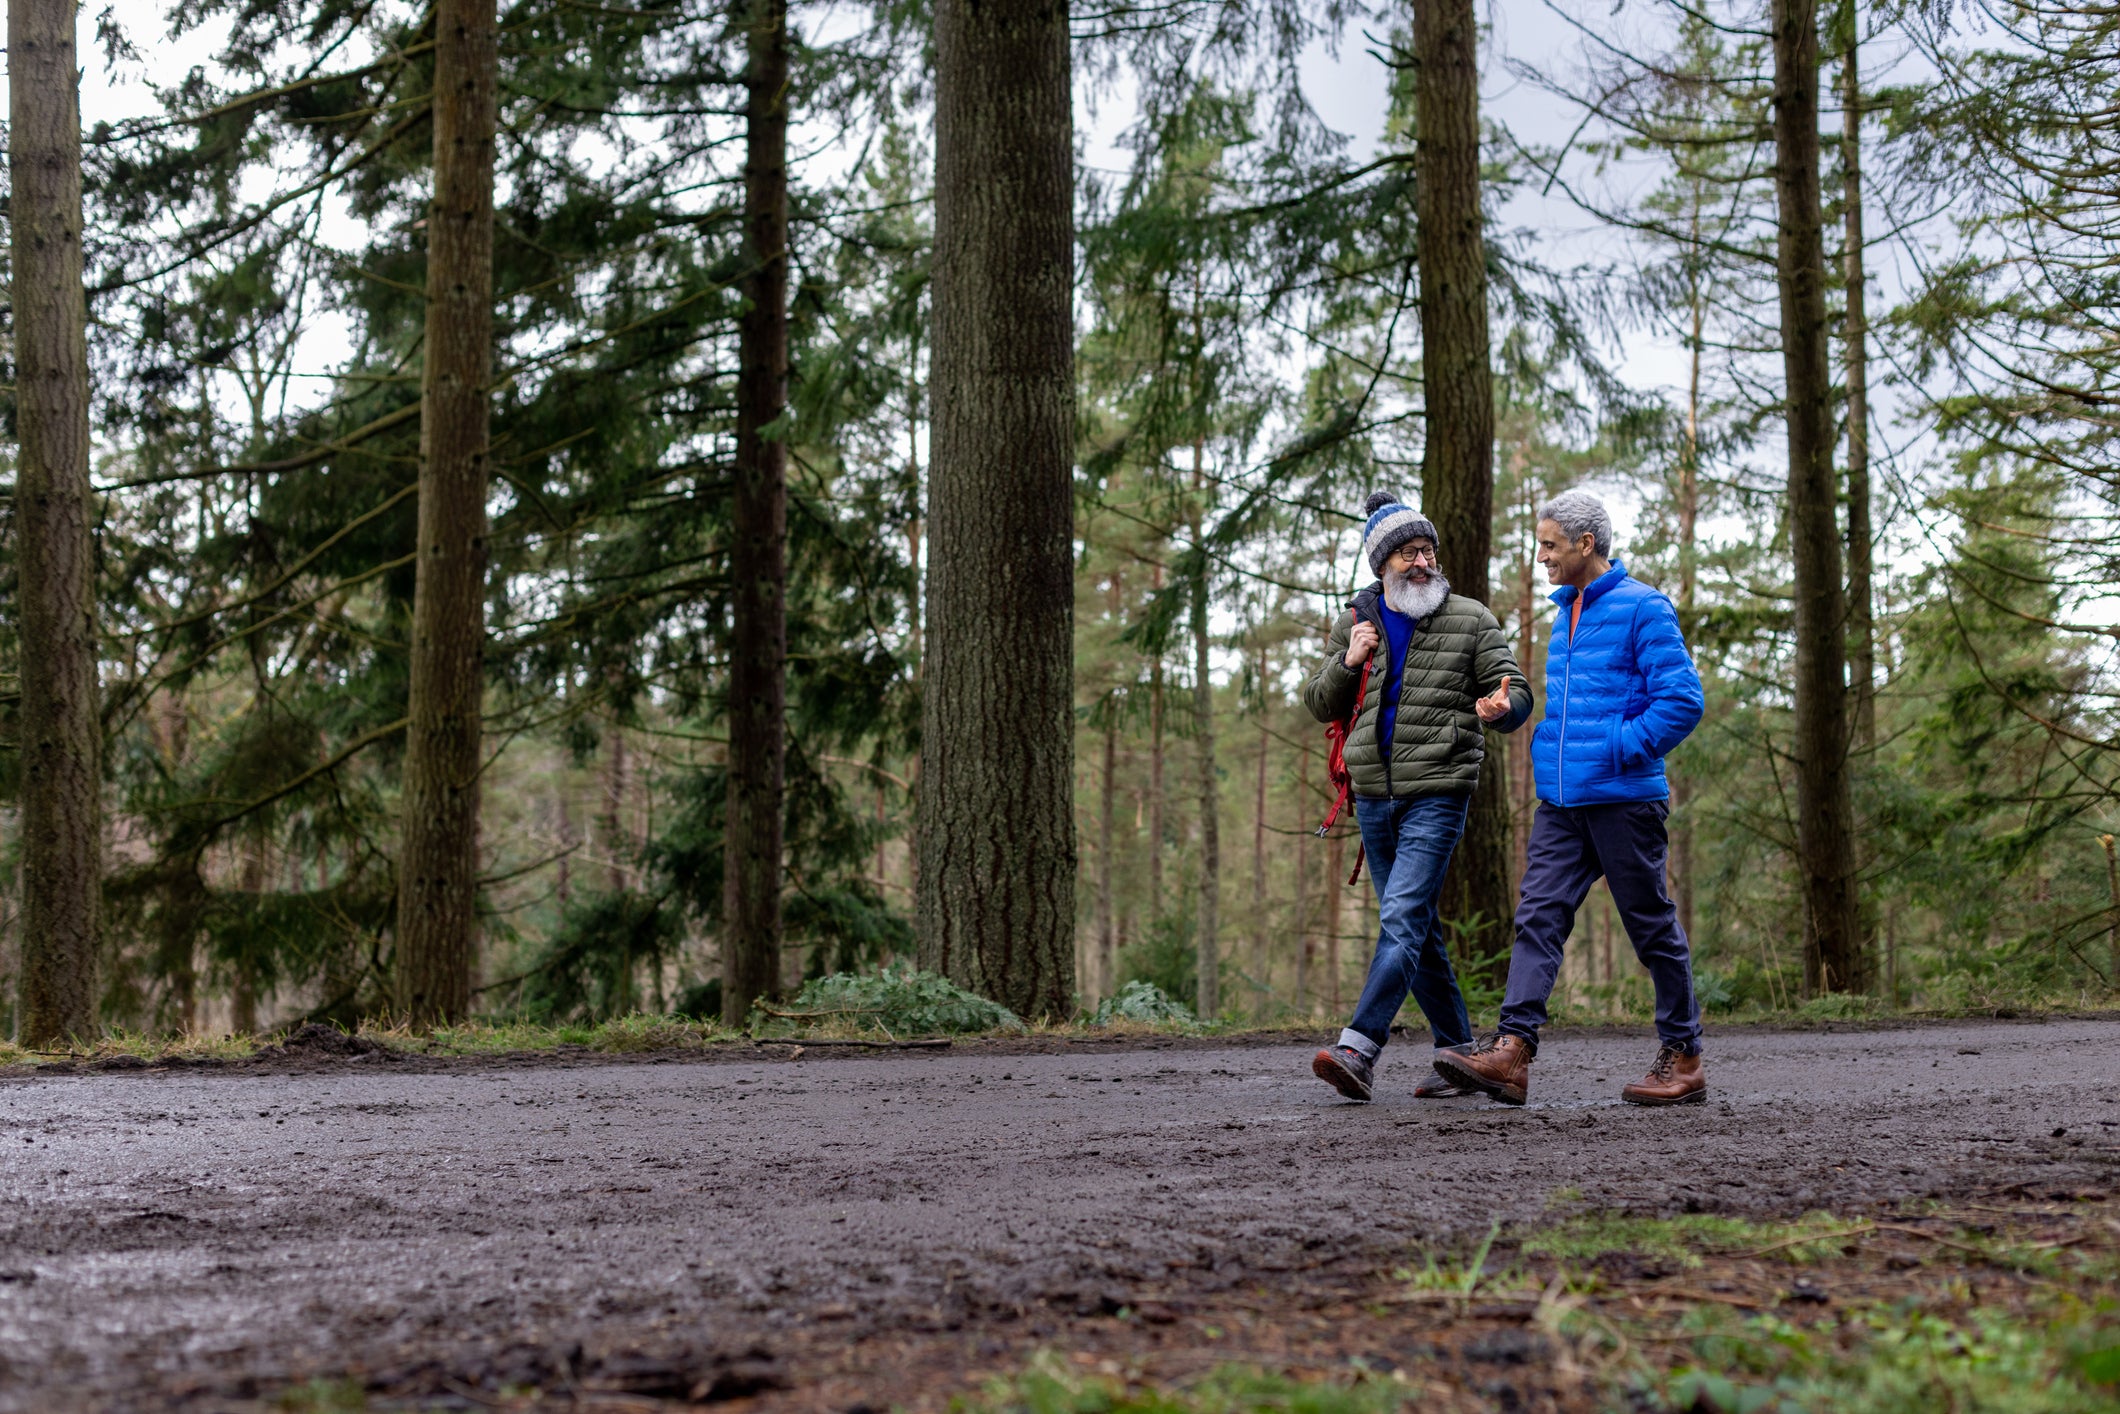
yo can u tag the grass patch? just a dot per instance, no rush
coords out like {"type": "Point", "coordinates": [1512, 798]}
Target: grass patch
{"type": "Point", "coordinates": [1905, 1314]}
{"type": "Point", "coordinates": [2058, 1355]}
{"type": "Point", "coordinates": [1050, 1386]}
{"type": "Point", "coordinates": [1689, 1240]}
{"type": "Point", "coordinates": [1928, 1309]}
{"type": "Point", "coordinates": [322, 1397]}
{"type": "Point", "coordinates": [472, 1038]}
{"type": "Point", "coordinates": [142, 1046]}
{"type": "Point", "coordinates": [622, 1035]}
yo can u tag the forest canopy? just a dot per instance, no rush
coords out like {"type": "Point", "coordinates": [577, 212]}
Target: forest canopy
{"type": "Point", "coordinates": [694, 453]}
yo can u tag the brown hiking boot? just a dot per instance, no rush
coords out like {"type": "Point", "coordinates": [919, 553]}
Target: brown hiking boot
{"type": "Point", "coordinates": [1674, 1079]}
{"type": "Point", "coordinates": [1498, 1065]}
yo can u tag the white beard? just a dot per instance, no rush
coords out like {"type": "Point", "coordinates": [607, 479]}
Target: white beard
{"type": "Point", "coordinates": [1415, 601]}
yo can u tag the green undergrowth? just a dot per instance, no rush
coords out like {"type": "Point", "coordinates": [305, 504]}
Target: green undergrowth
{"type": "Point", "coordinates": [141, 1045]}
{"type": "Point", "coordinates": [2057, 1355]}
{"type": "Point", "coordinates": [639, 1032]}
{"type": "Point", "coordinates": [472, 1038]}
{"type": "Point", "coordinates": [1826, 1314]}
{"type": "Point", "coordinates": [895, 1002]}
{"type": "Point", "coordinates": [1146, 1004]}
{"type": "Point", "coordinates": [1049, 1386]}
{"type": "Point", "coordinates": [1918, 1312]}
{"type": "Point", "coordinates": [322, 1397]}
{"type": "Point", "coordinates": [1689, 1240]}
{"type": "Point", "coordinates": [1845, 1008]}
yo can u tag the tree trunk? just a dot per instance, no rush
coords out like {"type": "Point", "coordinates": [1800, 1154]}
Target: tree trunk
{"type": "Point", "coordinates": [1524, 781]}
{"type": "Point", "coordinates": [1833, 960]}
{"type": "Point", "coordinates": [1688, 578]}
{"type": "Point", "coordinates": [1457, 459]}
{"type": "Point", "coordinates": [997, 828]}
{"type": "Point", "coordinates": [1862, 632]}
{"type": "Point", "coordinates": [1303, 938]}
{"type": "Point", "coordinates": [1207, 953]}
{"type": "Point", "coordinates": [1107, 866]}
{"type": "Point", "coordinates": [61, 733]}
{"type": "Point", "coordinates": [1258, 843]}
{"type": "Point", "coordinates": [1156, 823]}
{"type": "Point", "coordinates": [1601, 931]}
{"type": "Point", "coordinates": [758, 638]}
{"type": "Point", "coordinates": [611, 823]}
{"type": "Point", "coordinates": [2112, 936]}
{"type": "Point", "coordinates": [564, 891]}
{"type": "Point", "coordinates": [1107, 923]}
{"type": "Point", "coordinates": [437, 914]}
{"type": "Point", "coordinates": [1335, 897]}
{"type": "Point", "coordinates": [243, 991]}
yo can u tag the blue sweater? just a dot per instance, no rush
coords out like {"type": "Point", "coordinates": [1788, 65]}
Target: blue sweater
{"type": "Point", "coordinates": [1621, 693]}
{"type": "Point", "coordinates": [1398, 633]}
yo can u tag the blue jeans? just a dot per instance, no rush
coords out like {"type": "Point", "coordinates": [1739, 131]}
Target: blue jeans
{"type": "Point", "coordinates": [1569, 848]}
{"type": "Point", "coordinates": [1408, 843]}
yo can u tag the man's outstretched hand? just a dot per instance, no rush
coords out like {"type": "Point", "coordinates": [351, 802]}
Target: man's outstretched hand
{"type": "Point", "coordinates": [1497, 706]}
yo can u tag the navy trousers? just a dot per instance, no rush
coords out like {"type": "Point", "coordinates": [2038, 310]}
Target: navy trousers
{"type": "Point", "coordinates": [1570, 848]}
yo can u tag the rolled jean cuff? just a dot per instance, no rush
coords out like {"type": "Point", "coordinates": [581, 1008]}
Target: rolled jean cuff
{"type": "Point", "coordinates": [1355, 1041]}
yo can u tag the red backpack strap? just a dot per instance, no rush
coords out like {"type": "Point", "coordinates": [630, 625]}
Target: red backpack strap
{"type": "Point", "coordinates": [1336, 757]}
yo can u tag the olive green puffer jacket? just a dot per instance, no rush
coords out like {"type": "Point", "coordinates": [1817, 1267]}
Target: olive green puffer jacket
{"type": "Point", "coordinates": [1456, 656]}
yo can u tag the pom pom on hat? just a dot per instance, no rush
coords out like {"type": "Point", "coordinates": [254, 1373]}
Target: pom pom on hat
{"type": "Point", "coordinates": [1391, 525]}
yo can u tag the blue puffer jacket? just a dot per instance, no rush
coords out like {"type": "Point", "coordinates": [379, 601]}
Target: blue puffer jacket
{"type": "Point", "coordinates": [1620, 694]}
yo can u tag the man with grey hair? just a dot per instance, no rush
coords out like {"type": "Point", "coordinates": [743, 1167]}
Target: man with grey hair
{"type": "Point", "coordinates": [1621, 693]}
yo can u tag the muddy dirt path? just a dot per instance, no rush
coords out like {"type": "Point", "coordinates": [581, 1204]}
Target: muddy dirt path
{"type": "Point", "coordinates": [164, 1233]}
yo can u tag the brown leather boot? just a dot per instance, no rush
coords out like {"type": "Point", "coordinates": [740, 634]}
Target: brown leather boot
{"type": "Point", "coordinates": [1498, 1065]}
{"type": "Point", "coordinates": [1674, 1079]}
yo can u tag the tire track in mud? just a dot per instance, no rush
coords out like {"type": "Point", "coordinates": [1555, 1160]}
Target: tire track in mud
{"type": "Point", "coordinates": [203, 1230]}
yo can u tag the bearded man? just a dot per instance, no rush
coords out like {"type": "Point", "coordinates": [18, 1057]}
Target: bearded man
{"type": "Point", "coordinates": [1443, 670]}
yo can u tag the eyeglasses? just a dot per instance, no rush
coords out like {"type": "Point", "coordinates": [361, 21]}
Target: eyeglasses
{"type": "Point", "coordinates": [1414, 554]}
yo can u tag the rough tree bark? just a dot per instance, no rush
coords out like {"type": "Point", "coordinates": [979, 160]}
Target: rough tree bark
{"type": "Point", "coordinates": [916, 610]}
{"type": "Point", "coordinates": [243, 989]}
{"type": "Point", "coordinates": [563, 890]}
{"type": "Point", "coordinates": [1862, 632]}
{"type": "Point", "coordinates": [1688, 579]}
{"type": "Point", "coordinates": [1303, 932]}
{"type": "Point", "coordinates": [2112, 936]}
{"type": "Point", "coordinates": [758, 568]}
{"type": "Point", "coordinates": [1258, 839]}
{"type": "Point", "coordinates": [1833, 953]}
{"type": "Point", "coordinates": [1155, 781]}
{"type": "Point", "coordinates": [1107, 922]}
{"type": "Point", "coordinates": [611, 820]}
{"type": "Point", "coordinates": [437, 914]}
{"type": "Point", "coordinates": [61, 734]}
{"type": "Point", "coordinates": [997, 830]}
{"type": "Point", "coordinates": [1107, 866]}
{"type": "Point", "coordinates": [1335, 900]}
{"type": "Point", "coordinates": [1207, 935]}
{"type": "Point", "coordinates": [1457, 458]}
{"type": "Point", "coordinates": [1523, 781]}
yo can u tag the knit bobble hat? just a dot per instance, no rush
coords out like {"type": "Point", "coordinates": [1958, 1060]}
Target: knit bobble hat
{"type": "Point", "coordinates": [1390, 526]}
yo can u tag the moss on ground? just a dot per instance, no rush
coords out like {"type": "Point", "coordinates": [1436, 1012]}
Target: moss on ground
{"type": "Point", "coordinates": [1975, 1311]}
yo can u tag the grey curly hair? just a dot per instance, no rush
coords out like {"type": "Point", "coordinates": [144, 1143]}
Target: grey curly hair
{"type": "Point", "coordinates": [1579, 513]}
